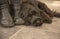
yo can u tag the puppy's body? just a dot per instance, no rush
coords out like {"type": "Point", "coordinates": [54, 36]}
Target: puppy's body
{"type": "Point", "coordinates": [27, 12]}
{"type": "Point", "coordinates": [26, 8]}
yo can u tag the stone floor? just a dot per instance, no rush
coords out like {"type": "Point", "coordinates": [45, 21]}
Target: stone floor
{"type": "Point", "coordinates": [46, 31]}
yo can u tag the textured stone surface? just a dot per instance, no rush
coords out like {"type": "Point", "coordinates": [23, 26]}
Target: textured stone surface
{"type": "Point", "coordinates": [5, 33]}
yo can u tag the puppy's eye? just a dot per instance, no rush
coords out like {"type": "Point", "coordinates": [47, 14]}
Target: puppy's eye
{"type": "Point", "coordinates": [33, 12]}
{"type": "Point", "coordinates": [29, 15]}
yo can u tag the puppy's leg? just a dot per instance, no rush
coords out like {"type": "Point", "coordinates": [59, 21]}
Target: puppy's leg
{"type": "Point", "coordinates": [6, 19]}
{"type": "Point", "coordinates": [16, 7]}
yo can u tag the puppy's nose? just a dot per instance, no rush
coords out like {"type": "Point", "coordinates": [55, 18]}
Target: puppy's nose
{"type": "Point", "coordinates": [37, 22]}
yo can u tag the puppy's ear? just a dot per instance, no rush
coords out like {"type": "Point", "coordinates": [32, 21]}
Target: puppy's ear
{"type": "Point", "coordinates": [45, 8]}
{"type": "Point", "coordinates": [56, 14]}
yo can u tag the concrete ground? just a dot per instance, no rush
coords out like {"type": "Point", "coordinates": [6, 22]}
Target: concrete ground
{"type": "Point", "coordinates": [46, 31]}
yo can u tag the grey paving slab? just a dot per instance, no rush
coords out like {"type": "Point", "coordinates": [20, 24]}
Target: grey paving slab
{"type": "Point", "coordinates": [5, 33]}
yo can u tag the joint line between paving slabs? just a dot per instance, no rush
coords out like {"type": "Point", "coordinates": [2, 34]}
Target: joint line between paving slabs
{"type": "Point", "coordinates": [16, 33]}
